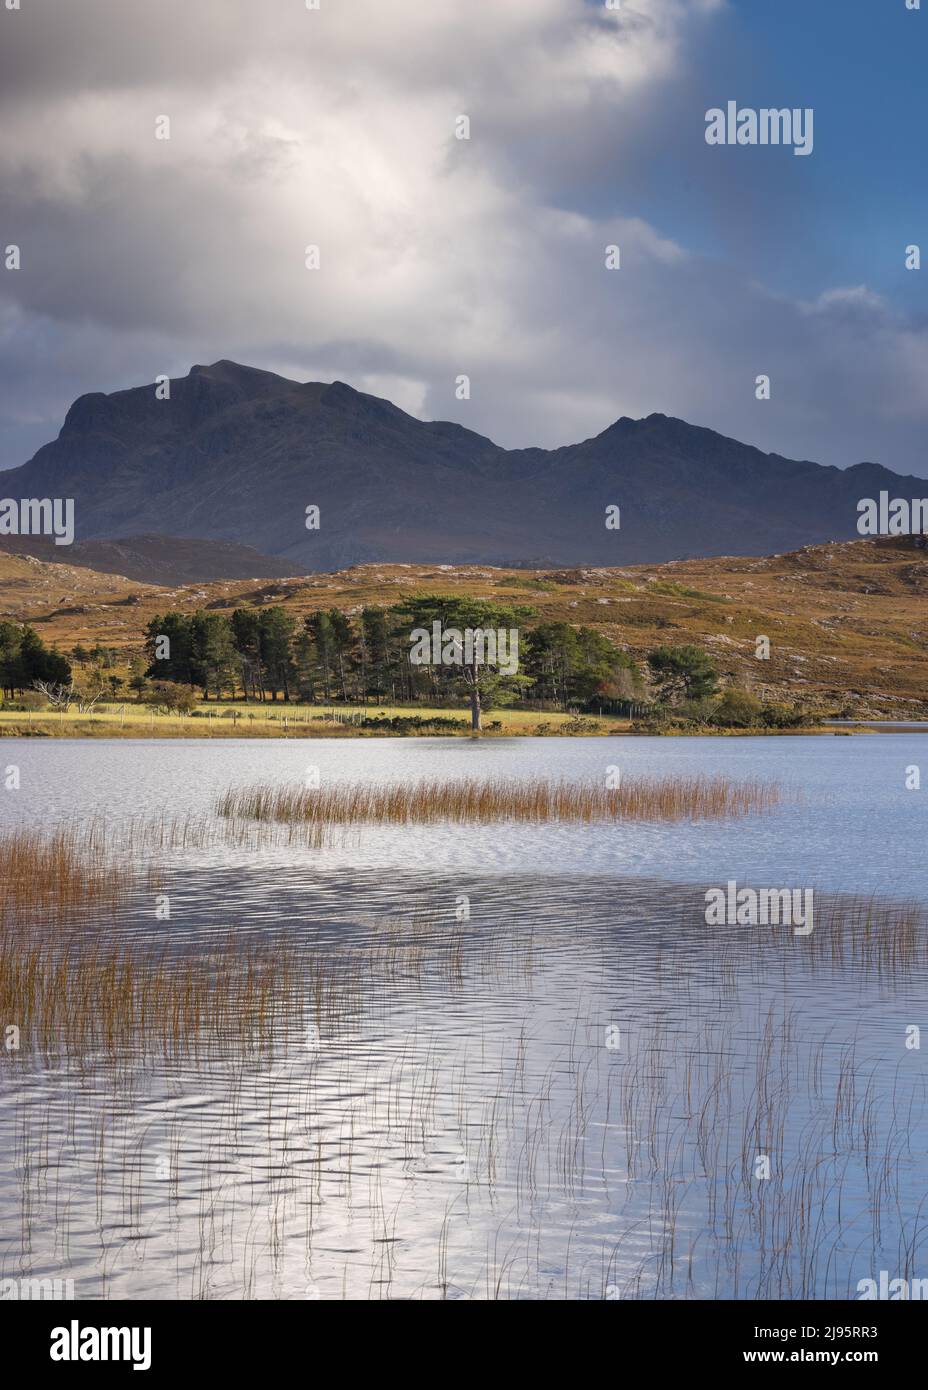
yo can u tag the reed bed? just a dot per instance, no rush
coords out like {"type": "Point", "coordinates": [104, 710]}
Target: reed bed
{"type": "Point", "coordinates": [84, 999]}
{"type": "Point", "coordinates": [70, 990]}
{"type": "Point", "coordinates": [498, 800]}
{"type": "Point", "coordinates": [73, 991]}
{"type": "Point", "coordinates": [850, 931]}
{"type": "Point", "coordinates": [877, 934]}
{"type": "Point", "coordinates": [57, 876]}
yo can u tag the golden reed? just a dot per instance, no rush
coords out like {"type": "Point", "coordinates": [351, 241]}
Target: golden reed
{"type": "Point", "coordinates": [68, 988]}
{"type": "Point", "coordinates": [486, 802]}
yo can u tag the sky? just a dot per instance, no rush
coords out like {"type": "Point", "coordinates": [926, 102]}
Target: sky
{"type": "Point", "coordinates": [484, 257]}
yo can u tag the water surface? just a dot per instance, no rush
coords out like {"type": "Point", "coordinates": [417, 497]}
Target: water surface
{"type": "Point", "coordinates": [556, 1083]}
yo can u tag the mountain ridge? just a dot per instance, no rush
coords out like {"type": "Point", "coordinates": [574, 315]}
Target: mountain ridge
{"type": "Point", "coordinates": [237, 454]}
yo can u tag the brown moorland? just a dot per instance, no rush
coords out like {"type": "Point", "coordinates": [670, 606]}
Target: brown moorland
{"type": "Point", "coordinates": [847, 622]}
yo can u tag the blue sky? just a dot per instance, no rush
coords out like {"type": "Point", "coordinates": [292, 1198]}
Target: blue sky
{"type": "Point", "coordinates": [482, 257]}
{"type": "Point", "coordinates": [863, 194]}
{"type": "Point", "coordinates": [843, 214]}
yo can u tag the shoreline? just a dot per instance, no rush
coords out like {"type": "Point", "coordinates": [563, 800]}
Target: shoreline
{"type": "Point", "coordinates": [278, 721]}
{"type": "Point", "coordinates": [166, 730]}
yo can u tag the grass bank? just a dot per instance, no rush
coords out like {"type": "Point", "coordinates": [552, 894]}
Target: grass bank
{"type": "Point", "coordinates": [317, 721]}
{"type": "Point", "coordinates": [291, 721]}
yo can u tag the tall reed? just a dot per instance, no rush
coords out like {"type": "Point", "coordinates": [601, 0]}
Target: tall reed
{"type": "Point", "coordinates": [55, 876]}
{"type": "Point", "coordinates": [69, 988]}
{"type": "Point", "coordinates": [83, 997]}
{"type": "Point", "coordinates": [498, 799]}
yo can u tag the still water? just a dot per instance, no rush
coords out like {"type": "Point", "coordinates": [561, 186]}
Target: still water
{"type": "Point", "coordinates": [555, 1082]}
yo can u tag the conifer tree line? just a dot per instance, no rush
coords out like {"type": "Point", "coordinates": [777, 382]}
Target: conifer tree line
{"type": "Point", "coordinates": [25, 659]}
{"type": "Point", "coordinates": [269, 654]}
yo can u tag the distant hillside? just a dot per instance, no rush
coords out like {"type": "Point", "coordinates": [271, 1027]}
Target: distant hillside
{"type": "Point", "coordinates": [847, 623]}
{"type": "Point", "coordinates": [157, 559]}
{"type": "Point", "coordinates": [237, 454]}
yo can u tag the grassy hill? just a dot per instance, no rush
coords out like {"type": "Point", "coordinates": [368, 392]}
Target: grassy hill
{"type": "Point", "coordinates": [847, 622]}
